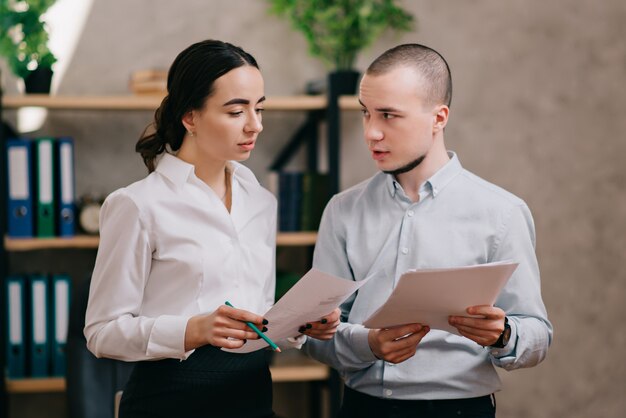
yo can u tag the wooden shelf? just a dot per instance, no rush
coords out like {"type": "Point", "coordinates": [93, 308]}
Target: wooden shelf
{"type": "Point", "coordinates": [291, 368]}
{"type": "Point", "coordinates": [29, 244]}
{"type": "Point", "coordinates": [152, 101]}
{"type": "Point", "coordinates": [349, 103]}
{"type": "Point", "coordinates": [142, 102]}
{"type": "Point", "coordinates": [285, 239]}
{"type": "Point", "coordinates": [294, 366]}
{"type": "Point", "coordinates": [296, 239]}
{"type": "Point", "coordinates": [35, 385]}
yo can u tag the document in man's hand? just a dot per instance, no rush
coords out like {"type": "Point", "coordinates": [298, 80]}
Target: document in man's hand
{"type": "Point", "coordinates": [429, 297]}
{"type": "Point", "coordinates": [316, 294]}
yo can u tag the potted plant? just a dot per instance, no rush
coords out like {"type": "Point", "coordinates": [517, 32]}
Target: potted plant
{"type": "Point", "coordinates": [337, 30]}
{"type": "Point", "coordinates": [24, 42]}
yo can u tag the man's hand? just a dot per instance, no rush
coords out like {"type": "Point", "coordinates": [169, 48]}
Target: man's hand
{"type": "Point", "coordinates": [225, 327]}
{"type": "Point", "coordinates": [396, 344]}
{"type": "Point", "coordinates": [485, 330]}
{"type": "Point", "coordinates": [325, 328]}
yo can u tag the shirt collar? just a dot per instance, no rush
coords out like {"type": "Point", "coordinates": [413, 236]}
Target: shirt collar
{"type": "Point", "coordinates": [178, 171]}
{"type": "Point", "coordinates": [174, 169]}
{"type": "Point", "coordinates": [437, 181]}
{"type": "Point", "coordinates": [445, 174]}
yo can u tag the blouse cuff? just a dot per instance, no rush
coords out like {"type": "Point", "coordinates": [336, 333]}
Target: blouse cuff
{"type": "Point", "coordinates": [296, 342]}
{"type": "Point", "coordinates": [167, 338]}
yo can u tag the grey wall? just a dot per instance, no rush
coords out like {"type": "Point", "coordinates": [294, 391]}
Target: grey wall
{"type": "Point", "coordinates": [539, 88]}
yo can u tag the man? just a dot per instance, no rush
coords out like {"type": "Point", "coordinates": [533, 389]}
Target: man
{"type": "Point", "coordinates": [423, 210]}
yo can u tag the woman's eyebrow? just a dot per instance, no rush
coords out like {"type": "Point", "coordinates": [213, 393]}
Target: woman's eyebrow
{"type": "Point", "coordinates": [242, 101]}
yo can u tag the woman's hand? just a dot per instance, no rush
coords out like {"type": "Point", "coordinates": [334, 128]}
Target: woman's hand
{"type": "Point", "coordinates": [225, 327]}
{"type": "Point", "coordinates": [324, 329]}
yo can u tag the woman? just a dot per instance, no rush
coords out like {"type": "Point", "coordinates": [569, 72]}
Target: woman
{"type": "Point", "coordinates": [197, 231]}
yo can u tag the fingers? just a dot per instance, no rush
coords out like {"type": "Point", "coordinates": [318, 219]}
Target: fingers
{"type": "Point", "coordinates": [321, 331]}
{"type": "Point", "coordinates": [484, 330]}
{"type": "Point", "coordinates": [486, 311]}
{"type": "Point", "coordinates": [230, 324]}
{"type": "Point", "coordinates": [228, 343]}
{"type": "Point", "coordinates": [480, 338]}
{"type": "Point", "coordinates": [241, 315]}
{"type": "Point", "coordinates": [230, 328]}
{"type": "Point", "coordinates": [325, 328]}
{"type": "Point", "coordinates": [397, 344]}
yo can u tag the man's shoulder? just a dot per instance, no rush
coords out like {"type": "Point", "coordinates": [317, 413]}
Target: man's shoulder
{"type": "Point", "coordinates": [488, 192]}
{"type": "Point", "coordinates": [363, 190]}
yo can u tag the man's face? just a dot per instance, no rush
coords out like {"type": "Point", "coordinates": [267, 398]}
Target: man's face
{"type": "Point", "coordinates": [398, 122]}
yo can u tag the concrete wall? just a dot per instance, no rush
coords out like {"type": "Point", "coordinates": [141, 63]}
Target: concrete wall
{"type": "Point", "coordinates": [539, 88]}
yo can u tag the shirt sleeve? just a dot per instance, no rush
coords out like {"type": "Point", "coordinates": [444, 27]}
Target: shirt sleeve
{"type": "Point", "coordinates": [349, 349]}
{"type": "Point", "coordinates": [113, 325]}
{"type": "Point", "coordinates": [531, 331]}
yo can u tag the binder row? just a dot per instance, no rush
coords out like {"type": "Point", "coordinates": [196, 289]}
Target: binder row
{"type": "Point", "coordinates": [37, 316]}
{"type": "Point", "coordinates": [40, 176]}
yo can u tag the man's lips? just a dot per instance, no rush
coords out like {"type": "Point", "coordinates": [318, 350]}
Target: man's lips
{"type": "Point", "coordinates": [379, 154]}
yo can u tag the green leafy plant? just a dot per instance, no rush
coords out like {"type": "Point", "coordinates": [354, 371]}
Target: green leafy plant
{"type": "Point", "coordinates": [24, 36]}
{"type": "Point", "coordinates": [336, 30]}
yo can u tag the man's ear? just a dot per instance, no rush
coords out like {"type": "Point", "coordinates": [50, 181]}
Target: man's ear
{"type": "Point", "coordinates": [440, 118]}
{"type": "Point", "coordinates": [189, 122]}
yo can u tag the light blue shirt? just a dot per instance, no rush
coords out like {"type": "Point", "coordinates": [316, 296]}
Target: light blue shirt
{"type": "Point", "coordinates": [459, 220]}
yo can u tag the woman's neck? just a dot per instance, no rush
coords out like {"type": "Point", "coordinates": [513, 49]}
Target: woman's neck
{"type": "Point", "coordinates": [215, 174]}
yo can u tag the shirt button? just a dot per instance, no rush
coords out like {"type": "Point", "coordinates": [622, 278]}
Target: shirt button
{"type": "Point", "coordinates": [390, 364]}
{"type": "Point", "coordinates": [388, 392]}
{"type": "Point", "coordinates": [405, 251]}
{"type": "Point", "coordinates": [410, 213]}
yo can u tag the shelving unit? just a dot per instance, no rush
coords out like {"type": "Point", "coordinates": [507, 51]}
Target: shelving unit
{"type": "Point", "coordinates": [286, 369]}
{"type": "Point", "coordinates": [151, 102]}
{"type": "Point", "coordinates": [285, 239]}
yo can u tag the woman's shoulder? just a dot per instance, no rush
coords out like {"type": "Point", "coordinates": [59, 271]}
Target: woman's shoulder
{"type": "Point", "coordinates": [248, 181]}
{"type": "Point", "coordinates": [137, 194]}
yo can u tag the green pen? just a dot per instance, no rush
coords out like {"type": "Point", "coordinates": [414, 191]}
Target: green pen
{"type": "Point", "coordinates": [260, 334]}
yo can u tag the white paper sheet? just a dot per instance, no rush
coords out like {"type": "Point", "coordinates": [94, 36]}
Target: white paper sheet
{"type": "Point", "coordinates": [316, 294]}
{"type": "Point", "coordinates": [429, 297]}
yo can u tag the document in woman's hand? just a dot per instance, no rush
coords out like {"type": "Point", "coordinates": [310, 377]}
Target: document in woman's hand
{"type": "Point", "coordinates": [313, 296]}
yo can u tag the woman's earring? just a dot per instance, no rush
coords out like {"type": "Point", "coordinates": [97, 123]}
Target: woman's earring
{"type": "Point", "coordinates": [191, 133]}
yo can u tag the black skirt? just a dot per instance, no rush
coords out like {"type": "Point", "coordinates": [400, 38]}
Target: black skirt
{"type": "Point", "coordinates": [210, 383]}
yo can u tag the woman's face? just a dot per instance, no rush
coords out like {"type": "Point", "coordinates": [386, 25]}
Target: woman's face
{"type": "Point", "coordinates": [226, 128]}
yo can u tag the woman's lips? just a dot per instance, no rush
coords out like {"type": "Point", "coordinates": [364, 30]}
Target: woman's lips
{"type": "Point", "coordinates": [247, 146]}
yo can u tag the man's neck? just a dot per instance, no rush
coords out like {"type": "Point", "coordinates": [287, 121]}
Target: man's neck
{"type": "Point", "coordinates": [411, 181]}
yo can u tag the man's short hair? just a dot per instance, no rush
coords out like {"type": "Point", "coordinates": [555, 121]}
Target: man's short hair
{"type": "Point", "coordinates": [428, 62]}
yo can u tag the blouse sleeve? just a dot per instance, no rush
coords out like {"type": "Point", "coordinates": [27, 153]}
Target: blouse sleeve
{"type": "Point", "coordinates": [114, 327]}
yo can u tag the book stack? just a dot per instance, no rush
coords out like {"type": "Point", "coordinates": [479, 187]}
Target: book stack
{"type": "Point", "coordinates": [152, 81]}
{"type": "Point", "coordinates": [302, 197]}
{"type": "Point", "coordinates": [41, 200]}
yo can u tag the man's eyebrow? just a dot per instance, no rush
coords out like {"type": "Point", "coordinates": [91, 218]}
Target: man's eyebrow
{"type": "Point", "coordinates": [383, 109]}
{"type": "Point", "coordinates": [242, 101]}
{"type": "Point", "coordinates": [388, 110]}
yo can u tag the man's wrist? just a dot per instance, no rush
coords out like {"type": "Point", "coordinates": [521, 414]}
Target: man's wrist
{"type": "Point", "coordinates": [505, 336]}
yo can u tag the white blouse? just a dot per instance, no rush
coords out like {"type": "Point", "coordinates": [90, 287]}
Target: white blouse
{"type": "Point", "coordinates": [169, 250]}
